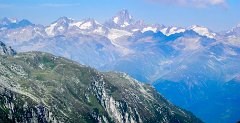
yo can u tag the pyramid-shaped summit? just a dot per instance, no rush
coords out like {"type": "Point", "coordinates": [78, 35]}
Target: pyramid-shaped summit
{"type": "Point", "coordinates": [121, 20]}
{"type": "Point", "coordinates": [122, 17]}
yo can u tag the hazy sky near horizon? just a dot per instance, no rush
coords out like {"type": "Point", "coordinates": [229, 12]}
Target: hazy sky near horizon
{"type": "Point", "coordinates": [217, 15]}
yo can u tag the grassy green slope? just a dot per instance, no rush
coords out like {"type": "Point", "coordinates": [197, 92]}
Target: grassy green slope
{"type": "Point", "coordinates": [75, 93]}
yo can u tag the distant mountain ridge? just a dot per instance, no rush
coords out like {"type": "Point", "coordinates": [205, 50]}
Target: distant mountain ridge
{"type": "Point", "coordinates": [9, 23]}
{"type": "Point", "coordinates": [122, 20]}
{"type": "Point", "coordinates": [120, 27]}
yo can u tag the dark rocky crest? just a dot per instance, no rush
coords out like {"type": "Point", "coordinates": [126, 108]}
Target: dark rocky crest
{"type": "Point", "coordinates": [6, 50]}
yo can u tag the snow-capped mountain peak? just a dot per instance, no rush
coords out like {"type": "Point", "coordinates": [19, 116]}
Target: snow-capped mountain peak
{"type": "Point", "coordinates": [116, 20]}
{"type": "Point", "coordinates": [89, 24]}
{"type": "Point", "coordinates": [149, 28]}
{"type": "Point", "coordinates": [12, 23]}
{"type": "Point", "coordinates": [122, 17]}
{"type": "Point", "coordinates": [58, 26]}
{"type": "Point", "coordinates": [64, 20]}
{"type": "Point", "coordinates": [86, 25]}
{"type": "Point", "coordinates": [203, 31]}
{"type": "Point", "coordinates": [66, 25]}
{"type": "Point", "coordinates": [121, 20]}
{"type": "Point", "coordinates": [13, 20]}
{"type": "Point", "coordinates": [172, 30]}
{"type": "Point", "coordinates": [6, 21]}
{"type": "Point", "coordinates": [234, 32]}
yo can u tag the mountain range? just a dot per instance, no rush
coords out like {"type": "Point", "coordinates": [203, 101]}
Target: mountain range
{"type": "Point", "coordinates": [194, 67]}
{"type": "Point", "coordinates": [40, 87]}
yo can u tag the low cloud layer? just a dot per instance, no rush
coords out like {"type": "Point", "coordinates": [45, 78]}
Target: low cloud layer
{"type": "Point", "coordinates": [193, 3]}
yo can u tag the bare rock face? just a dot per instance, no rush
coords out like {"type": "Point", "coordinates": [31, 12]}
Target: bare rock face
{"type": "Point", "coordinates": [5, 50]}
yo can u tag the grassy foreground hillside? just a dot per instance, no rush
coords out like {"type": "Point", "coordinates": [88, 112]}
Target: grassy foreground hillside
{"type": "Point", "coordinates": [40, 87]}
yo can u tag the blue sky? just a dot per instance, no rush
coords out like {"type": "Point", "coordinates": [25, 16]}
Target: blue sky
{"type": "Point", "coordinates": [215, 14]}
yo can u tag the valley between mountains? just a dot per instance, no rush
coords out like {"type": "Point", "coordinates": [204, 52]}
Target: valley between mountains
{"type": "Point", "coordinates": [193, 67]}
